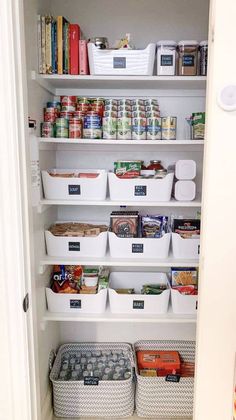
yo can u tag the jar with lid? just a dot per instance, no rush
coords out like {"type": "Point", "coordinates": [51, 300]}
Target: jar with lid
{"type": "Point", "coordinates": [188, 58]}
{"type": "Point", "coordinates": [155, 165]}
{"type": "Point", "coordinates": [166, 58]}
{"type": "Point", "coordinates": [203, 51]}
{"type": "Point", "coordinates": [101, 42]}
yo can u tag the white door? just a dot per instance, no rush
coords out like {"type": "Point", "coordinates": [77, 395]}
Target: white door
{"type": "Point", "coordinates": [216, 330]}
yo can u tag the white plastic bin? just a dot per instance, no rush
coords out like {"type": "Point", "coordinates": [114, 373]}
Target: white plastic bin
{"type": "Point", "coordinates": [183, 304]}
{"type": "Point", "coordinates": [187, 248]}
{"type": "Point", "coordinates": [139, 247]}
{"type": "Point", "coordinates": [121, 62]}
{"type": "Point", "coordinates": [140, 189]}
{"type": "Point", "coordinates": [137, 303]}
{"type": "Point", "coordinates": [76, 246]}
{"type": "Point", "coordinates": [76, 303]}
{"type": "Point", "coordinates": [56, 188]}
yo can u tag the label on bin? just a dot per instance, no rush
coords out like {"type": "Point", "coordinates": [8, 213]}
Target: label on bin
{"type": "Point", "coordinates": [137, 248]}
{"type": "Point", "coordinates": [74, 246]}
{"type": "Point", "coordinates": [138, 304]}
{"type": "Point", "coordinates": [167, 60]}
{"type": "Point", "coordinates": [91, 380]}
{"type": "Point", "coordinates": [119, 62]}
{"type": "Point", "coordinates": [172, 378]}
{"type": "Point", "coordinates": [75, 303]}
{"type": "Point", "coordinates": [188, 60]}
{"type": "Point", "coordinates": [198, 249]}
{"type": "Point", "coordinates": [74, 189]}
{"type": "Point", "coordinates": [140, 190]}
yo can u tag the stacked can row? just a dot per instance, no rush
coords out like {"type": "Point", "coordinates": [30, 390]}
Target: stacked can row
{"type": "Point", "coordinates": [96, 118]}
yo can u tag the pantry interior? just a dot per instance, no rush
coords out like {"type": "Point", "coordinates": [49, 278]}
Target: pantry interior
{"type": "Point", "coordinates": [147, 21]}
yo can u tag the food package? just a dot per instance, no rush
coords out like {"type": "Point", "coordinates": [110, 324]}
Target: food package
{"type": "Point", "coordinates": [187, 228]}
{"type": "Point", "coordinates": [66, 278]}
{"type": "Point", "coordinates": [124, 223]}
{"type": "Point", "coordinates": [164, 362]}
{"type": "Point", "coordinates": [184, 276]}
{"type": "Point", "coordinates": [154, 226]}
{"type": "Point", "coordinates": [77, 229]}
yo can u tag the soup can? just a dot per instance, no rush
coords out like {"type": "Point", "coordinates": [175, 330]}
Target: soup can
{"type": "Point", "coordinates": [124, 114]}
{"type": "Point", "coordinates": [47, 129]}
{"type": "Point", "coordinates": [110, 114]}
{"type": "Point", "coordinates": [139, 126]}
{"type": "Point", "coordinates": [124, 108]}
{"type": "Point", "coordinates": [124, 128]}
{"type": "Point", "coordinates": [68, 100]}
{"type": "Point", "coordinates": [110, 107]}
{"type": "Point", "coordinates": [92, 126]}
{"type": "Point", "coordinates": [82, 100]}
{"type": "Point", "coordinates": [98, 107]}
{"type": "Point", "coordinates": [168, 126]}
{"type": "Point", "coordinates": [79, 114]}
{"type": "Point", "coordinates": [150, 108]}
{"type": "Point", "coordinates": [138, 108]}
{"type": "Point", "coordinates": [138, 101]}
{"type": "Point", "coordinates": [75, 128]}
{"type": "Point", "coordinates": [153, 128]}
{"type": "Point", "coordinates": [50, 114]}
{"type": "Point", "coordinates": [84, 107]}
{"type": "Point", "coordinates": [138, 114]}
{"type": "Point", "coordinates": [109, 126]}
{"type": "Point", "coordinates": [152, 114]}
{"type": "Point", "coordinates": [68, 108]}
{"type": "Point", "coordinates": [124, 101]}
{"type": "Point", "coordinates": [62, 127]}
{"type": "Point", "coordinates": [66, 114]}
{"type": "Point", "coordinates": [111, 102]}
{"type": "Point", "coordinates": [54, 104]}
{"type": "Point", "coordinates": [150, 101]}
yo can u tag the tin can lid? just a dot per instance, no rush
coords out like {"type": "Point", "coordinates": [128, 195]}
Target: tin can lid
{"type": "Point", "coordinates": [167, 43]}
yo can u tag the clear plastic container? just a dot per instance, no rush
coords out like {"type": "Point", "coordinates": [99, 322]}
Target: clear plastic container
{"type": "Point", "coordinates": [203, 50]}
{"type": "Point", "coordinates": [166, 58]}
{"type": "Point", "coordinates": [188, 58]}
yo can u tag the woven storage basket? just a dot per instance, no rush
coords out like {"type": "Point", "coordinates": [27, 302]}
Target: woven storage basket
{"type": "Point", "coordinates": [107, 399]}
{"type": "Point", "coordinates": [156, 398]}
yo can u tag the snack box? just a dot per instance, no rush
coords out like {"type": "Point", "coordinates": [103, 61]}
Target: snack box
{"type": "Point", "coordinates": [164, 362]}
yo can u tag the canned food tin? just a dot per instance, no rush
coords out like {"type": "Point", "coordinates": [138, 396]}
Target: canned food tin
{"type": "Point", "coordinates": [97, 107]}
{"type": "Point", "coordinates": [127, 168]}
{"type": "Point", "coordinates": [139, 128]}
{"type": "Point", "coordinates": [54, 104]}
{"type": "Point", "coordinates": [62, 125]}
{"type": "Point", "coordinates": [110, 114]}
{"type": "Point", "coordinates": [92, 126]}
{"type": "Point", "coordinates": [97, 100]}
{"type": "Point", "coordinates": [138, 114]}
{"type": "Point", "coordinates": [47, 129]}
{"type": "Point", "coordinates": [75, 128]}
{"type": "Point", "coordinates": [124, 108]}
{"type": "Point", "coordinates": [109, 126]}
{"type": "Point", "coordinates": [168, 125]}
{"type": "Point", "coordinates": [62, 122]}
{"type": "Point", "coordinates": [50, 114]}
{"type": "Point", "coordinates": [68, 108]}
{"type": "Point", "coordinates": [84, 107]}
{"type": "Point", "coordinates": [68, 100]}
{"type": "Point", "coordinates": [82, 100]}
{"type": "Point", "coordinates": [124, 128]}
{"type": "Point", "coordinates": [111, 102]}
{"type": "Point", "coordinates": [79, 114]}
{"type": "Point", "coordinates": [153, 128]}
{"type": "Point", "coordinates": [151, 101]}
{"type": "Point", "coordinates": [153, 114]}
{"type": "Point", "coordinates": [124, 114]}
{"type": "Point", "coordinates": [152, 108]}
{"type": "Point", "coordinates": [124, 101]}
{"type": "Point", "coordinates": [66, 114]}
{"type": "Point", "coordinates": [110, 107]}
{"type": "Point", "coordinates": [138, 101]}
{"type": "Point", "coordinates": [138, 108]}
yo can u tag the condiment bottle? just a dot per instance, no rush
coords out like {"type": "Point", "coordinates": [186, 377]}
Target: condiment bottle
{"type": "Point", "coordinates": [155, 165]}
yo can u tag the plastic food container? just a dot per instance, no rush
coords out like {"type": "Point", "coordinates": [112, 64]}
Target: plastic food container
{"type": "Point", "coordinates": [185, 190]}
{"type": "Point", "coordinates": [166, 58]}
{"type": "Point", "coordinates": [185, 169]}
{"type": "Point", "coordinates": [188, 58]}
{"type": "Point", "coordinates": [203, 48]}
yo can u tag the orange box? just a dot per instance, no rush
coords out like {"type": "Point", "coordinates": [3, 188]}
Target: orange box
{"type": "Point", "coordinates": [164, 361]}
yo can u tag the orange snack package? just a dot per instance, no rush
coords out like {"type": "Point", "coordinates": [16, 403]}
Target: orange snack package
{"type": "Point", "coordinates": [163, 361]}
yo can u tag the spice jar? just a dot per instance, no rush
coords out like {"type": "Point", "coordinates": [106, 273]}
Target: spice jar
{"type": "Point", "coordinates": [166, 58]}
{"type": "Point", "coordinates": [155, 165]}
{"type": "Point", "coordinates": [188, 55]}
{"type": "Point", "coordinates": [203, 49]}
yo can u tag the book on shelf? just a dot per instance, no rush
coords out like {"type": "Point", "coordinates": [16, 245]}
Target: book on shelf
{"type": "Point", "coordinates": [54, 46]}
{"type": "Point", "coordinates": [60, 47]}
{"type": "Point", "coordinates": [74, 48]}
{"type": "Point", "coordinates": [83, 57]}
{"type": "Point", "coordinates": [48, 44]}
{"type": "Point", "coordinates": [66, 49]}
{"type": "Point", "coordinates": [43, 44]}
{"type": "Point", "coordinates": [39, 38]}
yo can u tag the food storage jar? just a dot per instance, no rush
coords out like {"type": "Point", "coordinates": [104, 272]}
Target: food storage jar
{"type": "Point", "coordinates": [166, 58]}
{"type": "Point", "coordinates": [203, 50]}
{"type": "Point", "coordinates": [188, 58]}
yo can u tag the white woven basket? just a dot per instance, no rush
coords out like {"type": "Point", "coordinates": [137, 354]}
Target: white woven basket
{"type": "Point", "coordinates": [156, 398]}
{"type": "Point", "coordinates": [107, 399]}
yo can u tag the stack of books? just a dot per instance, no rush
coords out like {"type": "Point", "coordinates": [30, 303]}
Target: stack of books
{"type": "Point", "coordinates": [60, 49]}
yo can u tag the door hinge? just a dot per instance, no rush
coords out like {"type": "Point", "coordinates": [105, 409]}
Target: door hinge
{"type": "Point", "coordinates": [26, 302]}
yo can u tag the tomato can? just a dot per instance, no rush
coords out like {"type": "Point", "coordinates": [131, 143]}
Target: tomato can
{"type": "Point", "coordinates": [153, 128]}
{"type": "Point", "coordinates": [98, 107]}
{"type": "Point", "coordinates": [124, 128]}
{"type": "Point", "coordinates": [47, 129]}
{"type": "Point", "coordinates": [50, 114]}
{"type": "Point", "coordinates": [83, 106]}
{"type": "Point", "coordinates": [109, 126]}
{"type": "Point", "coordinates": [62, 127]}
{"type": "Point", "coordinates": [92, 127]}
{"type": "Point", "coordinates": [68, 100]}
{"type": "Point", "coordinates": [66, 114]}
{"type": "Point", "coordinates": [75, 128]}
{"type": "Point", "coordinates": [139, 126]}
{"type": "Point", "coordinates": [69, 108]}
{"type": "Point", "coordinates": [79, 114]}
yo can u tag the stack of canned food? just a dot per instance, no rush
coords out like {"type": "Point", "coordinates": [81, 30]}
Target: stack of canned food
{"type": "Point", "coordinates": [96, 118]}
{"type": "Point", "coordinates": [104, 365]}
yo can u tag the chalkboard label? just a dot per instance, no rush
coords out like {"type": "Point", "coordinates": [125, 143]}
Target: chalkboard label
{"type": "Point", "coordinates": [74, 246]}
{"type": "Point", "coordinates": [198, 249]}
{"type": "Point", "coordinates": [172, 378]}
{"type": "Point", "coordinates": [119, 62]}
{"type": "Point", "coordinates": [166, 60]}
{"type": "Point", "coordinates": [188, 61]}
{"type": "Point", "coordinates": [75, 303]}
{"type": "Point", "coordinates": [138, 304]}
{"type": "Point", "coordinates": [137, 248]}
{"type": "Point", "coordinates": [74, 189]}
{"type": "Point", "coordinates": [140, 190]}
{"type": "Point", "coordinates": [196, 305]}
{"type": "Point", "coordinates": [91, 380]}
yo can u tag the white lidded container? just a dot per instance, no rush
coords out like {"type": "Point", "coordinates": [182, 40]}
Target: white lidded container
{"type": "Point", "coordinates": [166, 58]}
{"type": "Point", "coordinates": [185, 169]}
{"type": "Point", "coordinates": [185, 190]}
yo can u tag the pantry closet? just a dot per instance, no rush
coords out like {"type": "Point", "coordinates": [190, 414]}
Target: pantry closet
{"type": "Point", "coordinates": [178, 96]}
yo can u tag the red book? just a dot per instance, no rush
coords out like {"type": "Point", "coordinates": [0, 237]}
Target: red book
{"type": "Point", "coordinates": [74, 48]}
{"type": "Point", "coordinates": [83, 57]}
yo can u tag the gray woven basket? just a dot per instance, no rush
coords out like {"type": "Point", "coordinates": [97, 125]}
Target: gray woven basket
{"type": "Point", "coordinates": [156, 398]}
{"type": "Point", "coordinates": [107, 399]}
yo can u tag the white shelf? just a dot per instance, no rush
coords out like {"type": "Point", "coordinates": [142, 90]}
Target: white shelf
{"type": "Point", "coordinates": [52, 140]}
{"type": "Point", "coordinates": [55, 82]}
{"type": "Point", "coordinates": [116, 262]}
{"type": "Point", "coordinates": [107, 316]}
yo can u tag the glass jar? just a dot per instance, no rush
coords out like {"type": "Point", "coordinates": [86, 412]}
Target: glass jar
{"type": "Point", "coordinates": [203, 50]}
{"type": "Point", "coordinates": [166, 58]}
{"type": "Point", "coordinates": [188, 58]}
{"type": "Point", "coordinates": [155, 165]}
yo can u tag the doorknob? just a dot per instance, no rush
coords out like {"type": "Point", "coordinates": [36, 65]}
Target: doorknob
{"type": "Point", "coordinates": [227, 98]}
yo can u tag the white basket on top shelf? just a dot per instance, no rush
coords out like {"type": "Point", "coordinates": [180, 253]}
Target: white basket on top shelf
{"type": "Point", "coordinates": [137, 303]}
{"type": "Point", "coordinates": [74, 188]}
{"type": "Point", "coordinates": [187, 248]}
{"type": "Point", "coordinates": [137, 189]}
{"type": "Point", "coordinates": [123, 62]}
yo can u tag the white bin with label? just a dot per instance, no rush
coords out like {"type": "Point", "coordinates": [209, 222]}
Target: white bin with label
{"type": "Point", "coordinates": [76, 303]}
{"type": "Point", "coordinates": [76, 246]}
{"type": "Point", "coordinates": [183, 304]}
{"type": "Point", "coordinates": [137, 303]}
{"type": "Point", "coordinates": [187, 248]}
{"type": "Point", "coordinates": [121, 62]}
{"type": "Point", "coordinates": [139, 247]}
{"type": "Point", "coordinates": [138, 189]}
{"type": "Point", "coordinates": [56, 188]}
